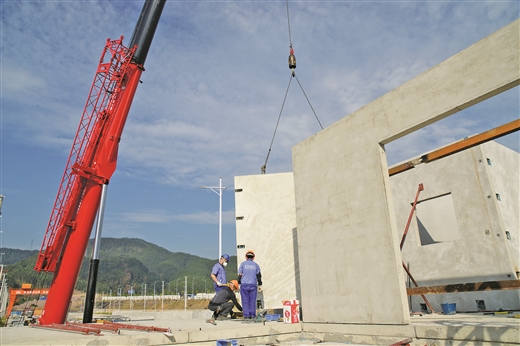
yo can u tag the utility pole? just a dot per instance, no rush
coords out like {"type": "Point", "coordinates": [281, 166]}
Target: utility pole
{"type": "Point", "coordinates": [219, 193]}
{"type": "Point", "coordinates": [162, 296]}
{"type": "Point", "coordinates": [185, 292]}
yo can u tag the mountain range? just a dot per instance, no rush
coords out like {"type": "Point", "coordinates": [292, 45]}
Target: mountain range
{"type": "Point", "coordinates": [125, 263]}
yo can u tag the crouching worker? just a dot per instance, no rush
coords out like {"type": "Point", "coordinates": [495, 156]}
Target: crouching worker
{"type": "Point", "coordinates": [223, 301]}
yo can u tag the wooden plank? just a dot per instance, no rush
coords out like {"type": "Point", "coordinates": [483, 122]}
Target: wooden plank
{"type": "Point", "coordinates": [473, 141]}
{"type": "Point", "coordinates": [456, 147]}
{"type": "Point", "coordinates": [468, 287]}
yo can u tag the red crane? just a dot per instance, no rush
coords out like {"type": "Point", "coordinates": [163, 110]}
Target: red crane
{"type": "Point", "coordinates": [92, 161]}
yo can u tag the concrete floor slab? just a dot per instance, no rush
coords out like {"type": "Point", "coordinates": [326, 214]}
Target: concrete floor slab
{"type": "Point", "coordinates": [439, 330]}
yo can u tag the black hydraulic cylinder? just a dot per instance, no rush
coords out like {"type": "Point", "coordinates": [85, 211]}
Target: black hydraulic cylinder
{"type": "Point", "coordinates": [142, 37]}
{"type": "Point", "coordinates": [91, 291]}
{"type": "Point", "coordinates": [145, 29]}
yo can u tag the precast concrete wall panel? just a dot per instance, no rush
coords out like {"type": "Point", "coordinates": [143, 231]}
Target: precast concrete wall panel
{"type": "Point", "coordinates": [477, 73]}
{"type": "Point", "coordinates": [350, 267]}
{"type": "Point", "coordinates": [266, 224]}
{"type": "Point", "coordinates": [478, 249]}
{"type": "Point", "coordinates": [350, 263]}
{"type": "Point", "coordinates": [503, 166]}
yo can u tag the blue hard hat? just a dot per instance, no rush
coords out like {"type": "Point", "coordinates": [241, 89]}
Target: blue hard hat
{"type": "Point", "coordinates": [225, 256]}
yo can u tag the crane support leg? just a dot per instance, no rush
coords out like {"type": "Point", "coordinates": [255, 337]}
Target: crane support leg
{"type": "Point", "coordinates": [94, 262]}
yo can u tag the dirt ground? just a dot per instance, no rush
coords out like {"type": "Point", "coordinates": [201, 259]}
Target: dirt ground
{"type": "Point", "coordinates": [195, 304]}
{"type": "Point", "coordinates": [78, 302]}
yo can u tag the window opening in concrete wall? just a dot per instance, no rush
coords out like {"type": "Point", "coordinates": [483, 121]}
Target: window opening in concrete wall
{"type": "Point", "coordinates": [498, 197]}
{"type": "Point", "coordinates": [436, 220]}
{"type": "Point", "coordinates": [481, 306]}
{"type": "Point", "coordinates": [508, 235]}
{"type": "Point", "coordinates": [424, 307]}
{"type": "Point", "coordinates": [489, 161]}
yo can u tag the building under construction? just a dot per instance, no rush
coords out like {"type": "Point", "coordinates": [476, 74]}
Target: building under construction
{"type": "Point", "coordinates": [365, 247]}
{"type": "Point", "coordinates": [342, 234]}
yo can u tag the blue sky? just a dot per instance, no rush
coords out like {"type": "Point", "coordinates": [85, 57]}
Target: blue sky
{"type": "Point", "coordinates": [214, 84]}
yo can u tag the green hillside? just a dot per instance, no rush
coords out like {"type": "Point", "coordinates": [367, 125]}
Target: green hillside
{"type": "Point", "coordinates": [126, 263]}
{"type": "Point", "coordinates": [10, 256]}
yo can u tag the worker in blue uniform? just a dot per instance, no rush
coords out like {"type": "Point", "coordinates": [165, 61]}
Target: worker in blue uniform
{"type": "Point", "coordinates": [218, 273]}
{"type": "Point", "coordinates": [250, 280]}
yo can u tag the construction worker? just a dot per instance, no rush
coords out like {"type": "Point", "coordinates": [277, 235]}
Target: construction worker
{"type": "Point", "coordinates": [250, 280]}
{"type": "Point", "coordinates": [222, 303]}
{"type": "Point", "coordinates": [218, 273]}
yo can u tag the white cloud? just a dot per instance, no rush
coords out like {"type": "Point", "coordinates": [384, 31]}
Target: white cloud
{"type": "Point", "coordinates": [216, 77]}
{"type": "Point", "coordinates": [163, 216]}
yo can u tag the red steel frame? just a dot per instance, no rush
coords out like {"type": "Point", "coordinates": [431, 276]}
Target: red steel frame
{"type": "Point", "coordinates": [419, 189]}
{"type": "Point", "coordinates": [91, 163]}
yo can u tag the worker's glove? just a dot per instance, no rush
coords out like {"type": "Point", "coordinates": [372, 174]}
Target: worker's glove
{"type": "Point", "coordinates": [259, 289]}
{"type": "Point", "coordinates": [219, 283]}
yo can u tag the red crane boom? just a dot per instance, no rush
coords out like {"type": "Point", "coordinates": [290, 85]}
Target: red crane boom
{"type": "Point", "coordinates": [91, 163]}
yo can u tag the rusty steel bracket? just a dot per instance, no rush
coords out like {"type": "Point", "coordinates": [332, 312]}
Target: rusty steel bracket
{"type": "Point", "coordinates": [466, 287]}
{"type": "Point", "coordinates": [405, 342]}
{"type": "Point", "coordinates": [77, 328]}
{"type": "Point", "coordinates": [112, 325]}
{"type": "Point", "coordinates": [419, 189]}
{"type": "Point", "coordinates": [417, 285]}
{"type": "Point", "coordinates": [96, 328]}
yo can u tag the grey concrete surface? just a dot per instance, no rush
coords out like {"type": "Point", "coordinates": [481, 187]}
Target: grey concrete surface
{"type": "Point", "coordinates": [190, 327]}
{"type": "Point", "coordinates": [481, 243]}
{"type": "Point", "coordinates": [266, 223]}
{"type": "Point", "coordinates": [348, 240]}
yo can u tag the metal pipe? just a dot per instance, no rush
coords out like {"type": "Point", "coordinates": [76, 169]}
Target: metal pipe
{"type": "Point", "coordinates": [90, 296]}
{"type": "Point", "coordinates": [220, 220]}
{"type": "Point", "coordinates": [145, 29]}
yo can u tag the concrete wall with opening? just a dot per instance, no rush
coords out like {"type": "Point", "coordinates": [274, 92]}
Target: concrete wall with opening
{"type": "Point", "coordinates": [344, 205]}
{"type": "Point", "coordinates": [465, 225]}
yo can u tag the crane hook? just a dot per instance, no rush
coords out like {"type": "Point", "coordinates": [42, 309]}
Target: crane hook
{"type": "Point", "coordinates": [292, 60]}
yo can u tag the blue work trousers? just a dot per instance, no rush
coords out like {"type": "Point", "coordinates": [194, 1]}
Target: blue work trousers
{"type": "Point", "coordinates": [248, 294]}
